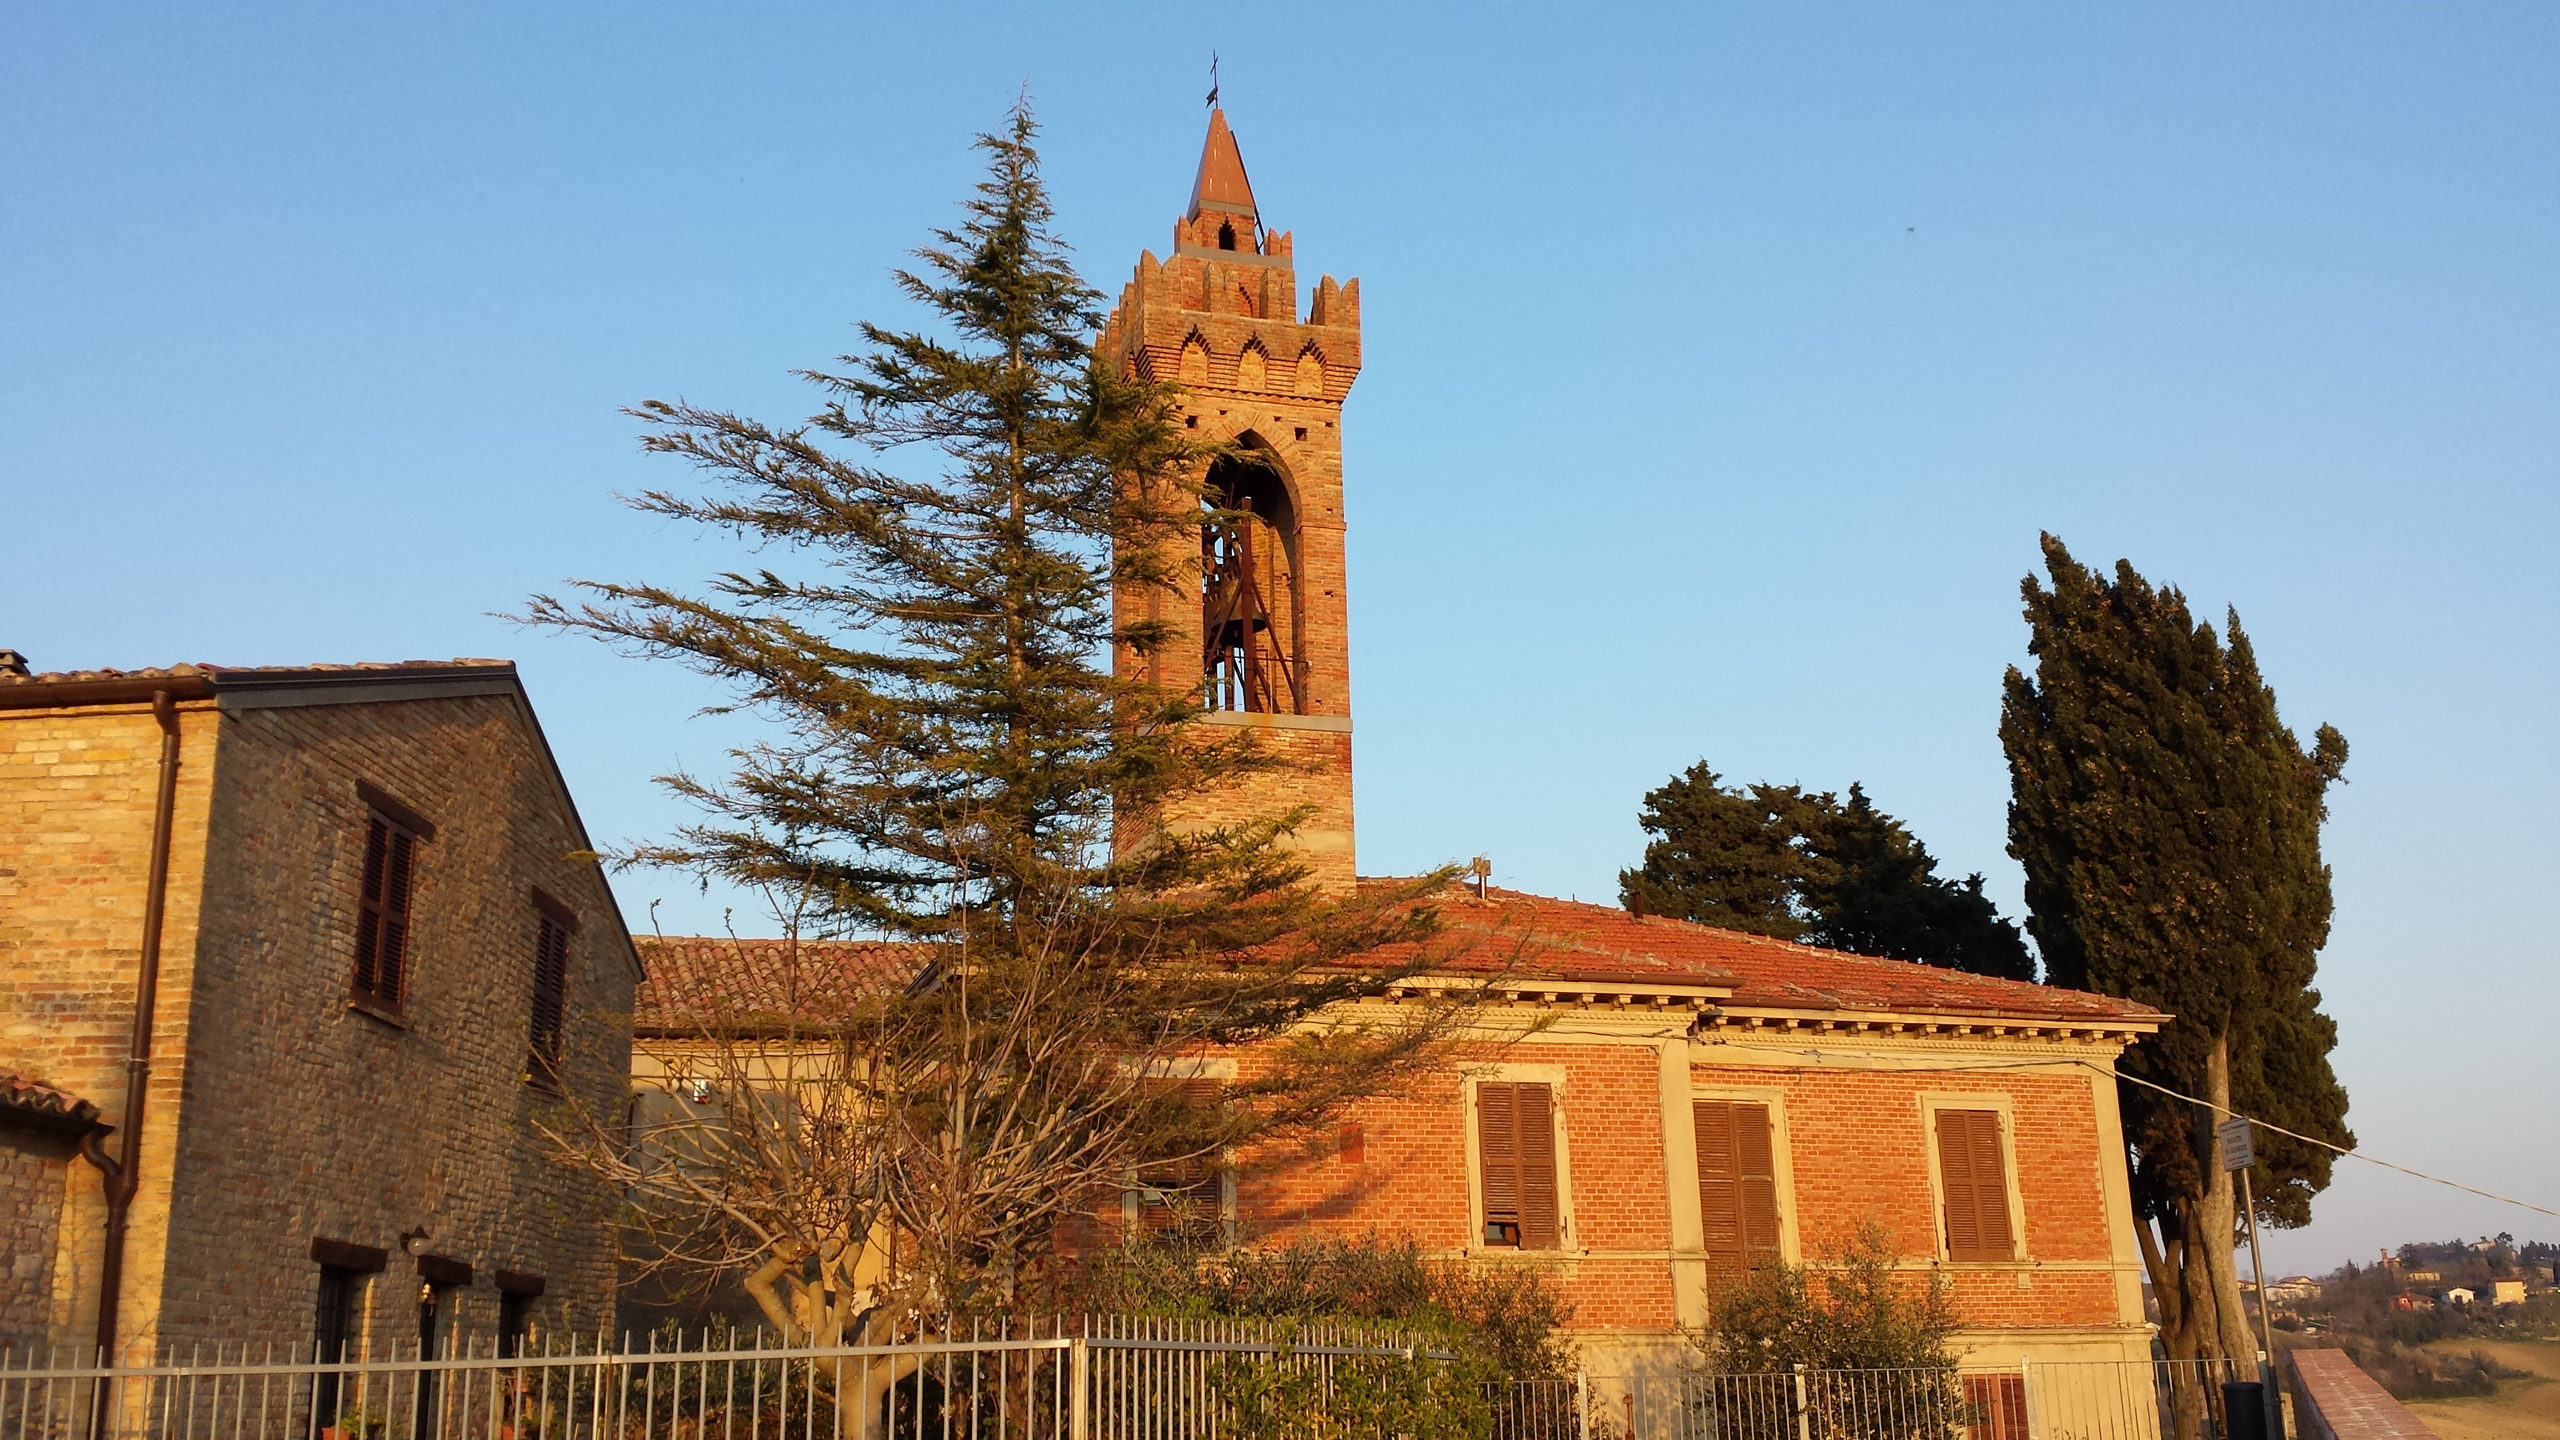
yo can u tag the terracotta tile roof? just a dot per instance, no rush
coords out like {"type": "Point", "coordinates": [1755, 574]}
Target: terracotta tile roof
{"type": "Point", "coordinates": [31, 1103]}
{"type": "Point", "coordinates": [751, 982]}
{"type": "Point", "coordinates": [756, 983]}
{"type": "Point", "coordinates": [1587, 942]}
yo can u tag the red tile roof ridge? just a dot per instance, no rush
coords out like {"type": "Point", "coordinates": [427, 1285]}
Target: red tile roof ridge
{"type": "Point", "coordinates": [1769, 972]}
{"type": "Point", "coordinates": [204, 670]}
{"type": "Point", "coordinates": [737, 980]}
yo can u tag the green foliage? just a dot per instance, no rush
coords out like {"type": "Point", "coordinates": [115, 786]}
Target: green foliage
{"type": "Point", "coordinates": [1476, 1330]}
{"type": "Point", "coordinates": [2169, 825]}
{"type": "Point", "coordinates": [1292, 1396]}
{"type": "Point", "coordinates": [1507, 1316]}
{"type": "Point", "coordinates": [1805, 865]}
{"type": "Point", "coordinates": [1851, 1311]}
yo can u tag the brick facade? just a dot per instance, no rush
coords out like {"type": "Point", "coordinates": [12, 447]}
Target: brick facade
{"type": "Point", "coordinates": [281, 1114]}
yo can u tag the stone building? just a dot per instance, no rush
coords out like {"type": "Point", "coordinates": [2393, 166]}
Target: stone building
{"type": "Point", "coordinates": [353, 908]}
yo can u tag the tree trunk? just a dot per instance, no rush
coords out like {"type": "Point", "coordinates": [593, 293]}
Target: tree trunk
{"type": "Point", "coordinates": [2218, 1238]}
{"type": "Point", "coordinates": [2194, 1279]}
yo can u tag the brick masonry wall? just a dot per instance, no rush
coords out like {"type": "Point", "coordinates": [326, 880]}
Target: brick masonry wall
{"type": "Point", "coordinates": [309, 1118]}
{"type": "Point", "coordinates": [279, 1113]}
{"type": "Point", "coordinates": [1856, 1142]}
{"type": "Point", "coordinates": [76, 795]}
{"type": "Point", "coordinates": [34, 1180]}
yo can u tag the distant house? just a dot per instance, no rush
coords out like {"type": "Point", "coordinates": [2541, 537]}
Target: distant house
{"type": "Point", "coordinates": [2506, 1292]}
{"type": "Point", "coordinates": [2411, 1300]}
{"type": "Point", "coordinates": [2457, 1296]}
{"type": "Point", "coordinates": [2424, 1277]}
{"type": "Point", "coordinates": [2293, 1290]}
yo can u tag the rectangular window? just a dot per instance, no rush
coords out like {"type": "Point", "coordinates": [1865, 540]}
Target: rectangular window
{"type": "Point", "coordinates": [1737, 1186]}
{"type": "Point", "coordinates": [333, 1335]}
{"type": "Point", "coordinates": [382, 911]}
{"type": "Point", "coordinates": [553, 922]}
{"type": "Point", "coordinates": [1516, 1142]}
{"type": "Point", "coordinates": [517, 1293]}
{"type": "Point", "coordinates": [1184, 1195]}
{"type": "Point", "coordinates": [1974, 1181]}
{"type": "Point", "coordinates": [1995, 1407]}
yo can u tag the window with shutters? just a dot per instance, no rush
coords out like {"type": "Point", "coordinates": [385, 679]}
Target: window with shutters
{"type": "Point", "coordinates": [1973, 1185]}
{"type": "Point", "coordinates": [548, 1023]}
{"type": "Point", "coordinates": [1737, 1186]}
{"type": "Point", "coordinates": [1185, 1194]}
{"type": "Point", "coordinates": [1995, 1407]}
{"type": "Point", "coordinates": [382, 912]}
{"type": "Point", "coordinates": [1516, 1165]}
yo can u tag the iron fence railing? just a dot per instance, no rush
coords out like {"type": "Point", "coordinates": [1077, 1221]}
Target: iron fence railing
{"type": "Point", "coordinates": [1098, 1379]}
{"type": "Point", "coordinates": [2066, 1400]}
{"type": "Point", "coordinates": [1101, 1379]}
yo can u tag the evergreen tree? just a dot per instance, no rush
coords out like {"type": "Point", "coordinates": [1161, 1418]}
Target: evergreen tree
{"type": "Point", "coordinates": [1874, 889]}
{"type": "Point", "coordinates": [2169, 825]}
{"type": "Point", "coordinates": [1802, 865]}
{"type": "Point", "coordinates": [1722, 857]}
{"type": "Point", "coordinates": [929, 630]}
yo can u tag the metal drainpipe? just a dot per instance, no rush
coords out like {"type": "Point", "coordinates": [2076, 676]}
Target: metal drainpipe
{"type": "Point", "coordinates": [122, 1174]}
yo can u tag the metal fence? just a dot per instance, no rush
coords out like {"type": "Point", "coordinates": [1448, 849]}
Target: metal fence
{"type": "Point", "coordinates": [1102, 1379]}
{"type": "Point", "coordinates": [2076, 1400]}
{"type": "Point", "coordinates": [1110, 1379]}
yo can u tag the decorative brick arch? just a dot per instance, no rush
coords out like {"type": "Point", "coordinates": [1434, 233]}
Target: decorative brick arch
{"type": "Point", "coordinates": [1266, 552]}
{"type": "Point", "coordinates": [1310, 377]}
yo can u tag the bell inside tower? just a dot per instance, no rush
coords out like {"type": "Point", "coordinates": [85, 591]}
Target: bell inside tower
{"type": "Point", "coordinates": [1249, 604]}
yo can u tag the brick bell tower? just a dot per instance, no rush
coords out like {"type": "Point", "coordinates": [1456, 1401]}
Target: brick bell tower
{"type": "Point", "coordinates": [1264, 642]}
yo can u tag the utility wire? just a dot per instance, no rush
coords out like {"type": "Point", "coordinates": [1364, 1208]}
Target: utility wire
{"type": "Point", "coordinates": [1817, 1053]}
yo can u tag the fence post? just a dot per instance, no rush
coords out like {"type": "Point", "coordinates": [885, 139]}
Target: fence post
{"type": "Point", "coordinates": [1581, 1403]}
{"type": "Point", "coordinates": [1804, 1407]}
{"type": "Point", "coordinates": [2027, 1392]}
{"type": "Point", "coordinates": [1079, 1389]}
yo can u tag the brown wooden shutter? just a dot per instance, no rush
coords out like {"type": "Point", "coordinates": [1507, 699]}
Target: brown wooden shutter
{"type": "Point", "coordinates": [1719, 1186]}
{"type": "Point", "coordinates": [382, 911]}
{"type": "Point", "coordinates": [550, 993]}
{"type": "Point", "coordinates": [1516, 1145]}
{"type": "Point", "coordinates": [1541, 1220]}
{"type": "Point", "coordinates": [1975, 1182]}
{"type": "Point", "coordinates": [1996, 1407]}
{"type": "Point", "coordinates": [1184, 1194]}
{"type": "Point", "coordinates": [1498, 1153]}
{"type": "Point", "coordinates": [1737, 1185]}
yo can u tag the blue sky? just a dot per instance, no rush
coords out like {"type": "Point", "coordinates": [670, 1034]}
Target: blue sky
{"type": "Point", "coordinates": [1723, 364]}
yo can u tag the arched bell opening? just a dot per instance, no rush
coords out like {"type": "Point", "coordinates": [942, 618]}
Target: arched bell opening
{"type": "Point", "coordinates": [1252, 650]}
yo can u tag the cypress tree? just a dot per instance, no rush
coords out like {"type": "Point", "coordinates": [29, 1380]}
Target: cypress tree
{"type": "Point", "coordinates": [2169, 825]}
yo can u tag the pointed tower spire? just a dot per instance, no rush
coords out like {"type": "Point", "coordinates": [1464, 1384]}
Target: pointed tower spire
{"type": "Point", "coordinates": [1221, 186]}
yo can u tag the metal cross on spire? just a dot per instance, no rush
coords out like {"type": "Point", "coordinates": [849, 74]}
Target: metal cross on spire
{"type": "Point", "coordinates": [1213, 79]}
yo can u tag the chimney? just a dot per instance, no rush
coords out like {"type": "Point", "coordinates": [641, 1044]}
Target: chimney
{"type": "Point", "coordinates": [12, 663]}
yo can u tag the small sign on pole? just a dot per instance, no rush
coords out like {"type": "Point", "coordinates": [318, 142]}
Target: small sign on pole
{"type": "Point", "coordinates": [2231, 1137]}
